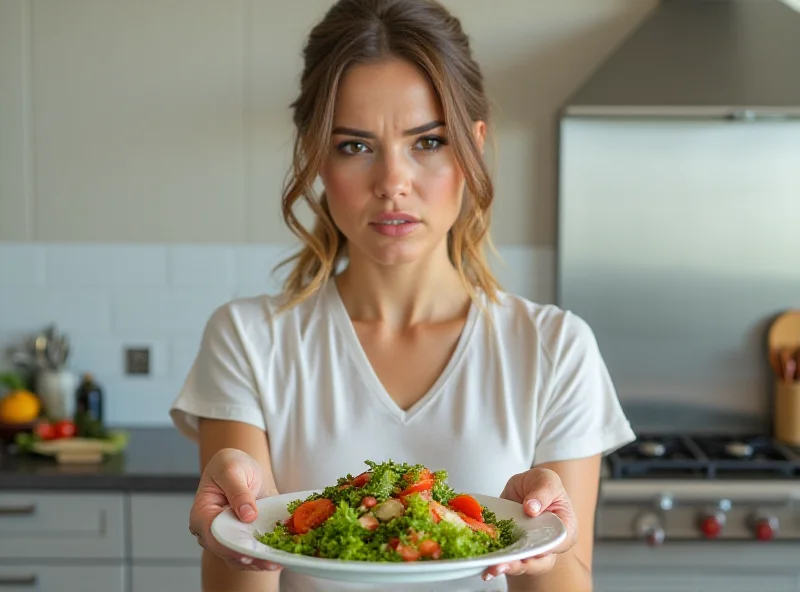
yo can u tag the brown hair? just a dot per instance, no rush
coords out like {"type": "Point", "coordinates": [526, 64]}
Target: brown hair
{"type": "Point", "coordinates": [358, 31]}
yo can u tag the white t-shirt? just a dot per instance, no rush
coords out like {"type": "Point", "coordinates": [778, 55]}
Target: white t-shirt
{"type": "Point", "coordinates": [527, 388]}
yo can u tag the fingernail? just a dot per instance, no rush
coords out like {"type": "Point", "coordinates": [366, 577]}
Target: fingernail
{"type": "Point", "coordinates": [534, 506]}
{"type": "Point", "coordinates": [502, 569]}
{"type": "Point", "coordinates": [246, 511]}
{"type": "Point", "coordinates": [246, 560]}
{"type": "Point", "coordinates": [273, 567]}
{"type": "Point", "coordinates": [487, 577]}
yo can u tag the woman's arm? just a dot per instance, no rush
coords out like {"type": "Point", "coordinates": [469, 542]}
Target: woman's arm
{"type": "Point", "coordinates": [214, 436]}
{"type": "Point", "coordinates": [572, 571]}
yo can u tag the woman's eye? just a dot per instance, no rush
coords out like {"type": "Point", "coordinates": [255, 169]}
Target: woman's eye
{"type": "Point", "coordinates": [431, 143]}
{"type": "Point", "coordinates": [353, 147]}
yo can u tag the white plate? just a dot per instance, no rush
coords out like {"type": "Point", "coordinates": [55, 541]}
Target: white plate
{"type": "Point", "coordinates": [537, 535]}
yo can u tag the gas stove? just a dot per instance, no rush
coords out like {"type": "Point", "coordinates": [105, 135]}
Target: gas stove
{"type": "Point", "coordinates": [681, 487]}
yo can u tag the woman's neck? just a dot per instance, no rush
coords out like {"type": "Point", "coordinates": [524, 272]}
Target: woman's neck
{"type": "Point", "coordinates": [429, 290]}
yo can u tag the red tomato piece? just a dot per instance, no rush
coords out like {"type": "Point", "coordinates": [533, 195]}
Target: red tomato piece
{"type": "Point", "coordinates": [407, 552]}
{"type": "Point", "coordinates": [424, 482]}
{"type": "Point", "coordinates": [393, 542]}
{"type": "Point", "coordinates": [289, 523]}
{"type": "Point", "coordinates": [65, 428]}
{"type": "Point", "coordinates": [489, 529]}
{"type": "Point", "coordinates": [361, 480]}
{"type": "Point", "coordinates": [467, 505]}
{"type": "Point", "coordinates": [430, 548]}
{"type": "Point", "coordinates": [46, 431]}
{"type": "Point", "coordinates": [437, 511]}
{"type": "Point", "coordinates": [369, 502]}
{"type": "Point", "coordinates": [311, 514]}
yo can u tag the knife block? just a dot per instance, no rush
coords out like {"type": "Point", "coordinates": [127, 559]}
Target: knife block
{"type": "Point", "coordinates": [787, 413]}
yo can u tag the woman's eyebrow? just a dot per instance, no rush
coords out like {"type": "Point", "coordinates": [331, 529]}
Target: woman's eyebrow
{"type": "Point", "coordinates": [349, 131]}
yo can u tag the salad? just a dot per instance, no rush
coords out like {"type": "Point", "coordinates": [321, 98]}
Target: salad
{"type": "Point", "coordinates": [390, 512]}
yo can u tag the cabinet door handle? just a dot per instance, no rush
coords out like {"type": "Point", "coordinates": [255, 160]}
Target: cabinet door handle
{"type": "Point", "coordinates": [18, 510]}
{"type": "Point", "coordinates": [8, 581]}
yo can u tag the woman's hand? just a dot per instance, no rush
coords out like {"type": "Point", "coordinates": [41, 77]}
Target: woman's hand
{"type": "Point", "coordinates": [231, 478]}
{"type": "Point", "coordinates": [538, 490]}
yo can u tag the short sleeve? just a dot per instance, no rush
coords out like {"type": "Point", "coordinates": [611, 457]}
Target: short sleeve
{"type": "Point", "coordinates": [582, 415]}
{"type": "Point", "coordinates": [221, 382]}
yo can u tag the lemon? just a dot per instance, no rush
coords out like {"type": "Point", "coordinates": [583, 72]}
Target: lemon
{"type": "Point", "coordinates": [19, 406]}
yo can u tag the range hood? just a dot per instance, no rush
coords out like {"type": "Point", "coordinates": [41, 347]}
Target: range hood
{"type": "Point", "coordinates": [737, 59]}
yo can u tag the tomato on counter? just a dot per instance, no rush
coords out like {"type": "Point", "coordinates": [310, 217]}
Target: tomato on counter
{"type": "Point", "coordinates": [45, 430]}
{"type": "Point", "coordinates": [63, 428]}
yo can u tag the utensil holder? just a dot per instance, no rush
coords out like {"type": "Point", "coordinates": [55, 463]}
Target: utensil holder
{"type": "Point", "coordinates": [56, 389]}
{"type": "Point", "coordinates": [787, 413]}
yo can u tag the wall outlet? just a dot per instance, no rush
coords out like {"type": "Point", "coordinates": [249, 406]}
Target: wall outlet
{"type": "Point", "coordinates": [137, 361]}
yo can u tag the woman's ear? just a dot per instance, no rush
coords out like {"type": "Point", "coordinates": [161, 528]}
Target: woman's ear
{"type": "Point", "coordinates": [479, 131]}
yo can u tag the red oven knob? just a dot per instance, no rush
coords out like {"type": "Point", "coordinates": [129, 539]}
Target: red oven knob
{"type": "Point", "coordinates": [711, 527]}
{"type": "Point", "coordinates": [765, 529]}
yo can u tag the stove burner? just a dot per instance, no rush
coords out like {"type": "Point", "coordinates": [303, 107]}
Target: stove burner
{"type": "Point", "coordinates": [739, 449]}
{"type": "Point", "coordinates": [651, 449]}
{"type": "Point", "coordinates": [705, 457]}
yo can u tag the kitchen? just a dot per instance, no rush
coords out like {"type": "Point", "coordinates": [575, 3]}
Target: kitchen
{"type": "Point", "coordinates": [119, 243]}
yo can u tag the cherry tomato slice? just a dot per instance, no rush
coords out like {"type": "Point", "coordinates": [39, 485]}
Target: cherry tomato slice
{"type": "Point", "coordinates": [468, 505]}
{"type": "Point", "coordinates": [312, 514]}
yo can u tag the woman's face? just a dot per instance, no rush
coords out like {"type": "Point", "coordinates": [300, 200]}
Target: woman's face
{"type": "Point", "coordinates": [394, 188]}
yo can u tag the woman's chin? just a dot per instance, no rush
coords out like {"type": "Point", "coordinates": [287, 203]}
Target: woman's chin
{"type": "Point", "coordinates": [394, 256]}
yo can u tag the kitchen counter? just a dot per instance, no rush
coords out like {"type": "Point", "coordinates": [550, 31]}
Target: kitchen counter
{"type": "Point", "coordinates": [156, 459]}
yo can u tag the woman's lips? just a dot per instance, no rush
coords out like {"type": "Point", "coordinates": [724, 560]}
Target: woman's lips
{"type": "Point", "coordinates": [394, 224]}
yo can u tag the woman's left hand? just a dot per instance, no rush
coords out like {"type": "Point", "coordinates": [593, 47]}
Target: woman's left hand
{"type": "Point", "coordinates": [538, 490]}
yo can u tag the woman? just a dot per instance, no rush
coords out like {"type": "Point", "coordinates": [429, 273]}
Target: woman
{"type": "Point", "coordinates": [392, 339]}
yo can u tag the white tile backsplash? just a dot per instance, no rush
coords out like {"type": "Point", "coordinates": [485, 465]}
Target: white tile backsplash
{"type": "Point", "coordinates": [202, 265]}
{"type": "Point", "coordinates": [165, 312]}
{"type": "Point", "coordinates": [83, 311]}
{"type": "Point", "coordinates": [106, 265]}
{"type": "Point", "coordinates": [107, 297]}
{"type": "Point", "coordinates": [22, 265]}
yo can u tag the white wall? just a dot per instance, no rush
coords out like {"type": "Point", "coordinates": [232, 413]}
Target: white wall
{"type": "Point", "coordinates": [143, 146]}
{"type": "Point", "coordinates": [168, 120]}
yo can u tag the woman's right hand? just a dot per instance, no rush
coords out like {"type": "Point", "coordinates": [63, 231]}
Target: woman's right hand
{"type": "Point", "coordinates": [231, 478]}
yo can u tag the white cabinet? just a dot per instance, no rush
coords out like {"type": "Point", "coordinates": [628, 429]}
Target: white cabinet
{"type": "Point", "coordinates": [159, 525]}
{"type": "Point", "coordinates": [63, 578]}
{"type": "Point", "coordinates": [37, 525]}
{"type": "Point", "coordinates": [180, 578]}
{"type": "Point", "coordinates": [638, 580]}
{"type": "Point", "coordinates": [97, 542]}
{"type": "Point", "coordinates": [164, 555]}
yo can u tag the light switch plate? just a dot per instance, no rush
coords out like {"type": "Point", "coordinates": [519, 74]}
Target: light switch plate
{"type": "Point", "coordinates": [137, 361]}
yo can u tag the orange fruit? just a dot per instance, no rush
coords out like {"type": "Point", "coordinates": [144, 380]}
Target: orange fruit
{"type": "Point", "coordinates": [19, 406]}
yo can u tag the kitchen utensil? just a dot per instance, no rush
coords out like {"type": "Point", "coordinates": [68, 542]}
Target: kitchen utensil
{"type": "Point", "coordinates": [537, 535]}
{"type": "Point", "coordinates": [783, 342]}
{"type": "Point", "coordinates": [787, 413]}
{"type": "Point", "coordinates": [788, 365]}
{"type": "Point", "coordinates": [797, 365]}
{"type": "Point", "coordinates": [56, 389]}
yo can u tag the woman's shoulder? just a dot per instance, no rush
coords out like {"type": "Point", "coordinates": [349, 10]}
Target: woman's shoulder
{"type": "Point", "coordinates": [260, 315]}
{"type": "Point", "coordinates": [551, 325]}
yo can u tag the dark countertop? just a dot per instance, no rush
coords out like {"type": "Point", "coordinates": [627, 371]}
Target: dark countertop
{"type": "Point", "coordinates": [155, 460]}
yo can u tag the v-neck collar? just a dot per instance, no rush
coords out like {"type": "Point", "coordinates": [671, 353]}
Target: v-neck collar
{"type": "Point", "coordinates": [359, 356]}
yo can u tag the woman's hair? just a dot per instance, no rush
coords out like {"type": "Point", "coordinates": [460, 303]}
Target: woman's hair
{"type": "Point", "coordinates": [359, 31]}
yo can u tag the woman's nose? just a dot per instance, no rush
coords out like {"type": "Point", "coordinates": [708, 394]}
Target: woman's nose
{"type": "Point", "coordinates": [392, 177]}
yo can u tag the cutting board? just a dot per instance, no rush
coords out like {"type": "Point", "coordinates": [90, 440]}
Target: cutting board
{"type": "Point", "coordinates": [76, 450]}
